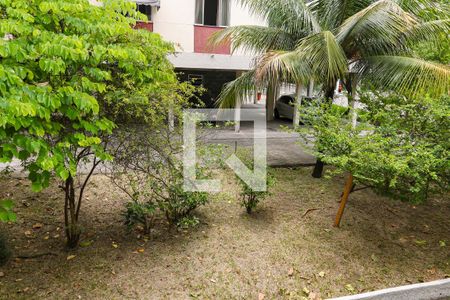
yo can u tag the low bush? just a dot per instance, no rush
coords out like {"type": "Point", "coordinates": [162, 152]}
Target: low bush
{"type": "Point", "coordinates": [250, 198]}
{"type": "Point", "coordinates": [140, 214]}
{"type": "Point", "coordinates": [149, 169]}
{"type": "Point", "coordinates": [179, 204]}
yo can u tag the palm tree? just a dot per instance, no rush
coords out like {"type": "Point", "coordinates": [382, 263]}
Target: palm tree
{"type": "Point", "coordinates": [286, 26]}
{"type": "Point", "coordinates": [352, 40]}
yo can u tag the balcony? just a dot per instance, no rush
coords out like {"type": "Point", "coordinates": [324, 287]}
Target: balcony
{"type": "Point", "coordinates": [201, 36]}
{"type": "Point", "coordinates": [144, 25]}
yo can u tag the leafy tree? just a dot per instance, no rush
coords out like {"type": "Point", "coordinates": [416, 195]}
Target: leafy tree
{"type": "Point", "coordinates": [68, 69]}
{"type": "Point", "coordinates": [400, 148]}
{"type": "Point", "coordinates": [368, 41]}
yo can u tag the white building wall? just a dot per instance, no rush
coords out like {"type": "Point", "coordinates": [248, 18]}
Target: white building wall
{"type": "Point", "coordinates": [241, 16]}
{"type": "Point", "coordinates": [174, 21]}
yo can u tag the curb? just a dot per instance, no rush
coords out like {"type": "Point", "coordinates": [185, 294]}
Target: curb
{"type": "Point", "coordinates": [439, 289]}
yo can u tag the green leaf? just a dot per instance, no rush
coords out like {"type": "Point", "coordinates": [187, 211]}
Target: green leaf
{"type": "Point", "coordinates": [7, 204]}
{"type": "Point", "coordinates": [36, 187]}
{"type": "Point", "coordinates": [6, 213]}
{"type": "Point", "coordinates": [63, 173]}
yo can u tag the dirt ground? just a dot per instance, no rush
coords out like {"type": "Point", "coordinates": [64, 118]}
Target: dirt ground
{"type": "Point", "coordinates": [276, 253]}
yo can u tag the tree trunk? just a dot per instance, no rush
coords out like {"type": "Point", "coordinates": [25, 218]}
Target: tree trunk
{"type": "Point", "coordinates": [347, 190]}
{"type": "Point", "coordinates": [351, 89]}
{"type": "Point", "coordinates": [71, 214]}
{"type": "Point", "coordinates": [171, 119]}
{"type": "Point", "coordinates": [318, 168]}
{"type": "Point", "coordinates": [270, 101]}
{"type": "Point", "coordinates": [310, 88]}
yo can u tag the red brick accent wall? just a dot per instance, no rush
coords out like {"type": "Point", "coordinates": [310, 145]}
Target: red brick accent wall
{"type": "Point", "coordinates": [201, 35]}
{"type": "Point", "coordinates": [144, 25]}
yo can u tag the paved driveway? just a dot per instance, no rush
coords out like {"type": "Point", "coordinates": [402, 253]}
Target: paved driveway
{"type": "Point", "coordinates": [283, 148]}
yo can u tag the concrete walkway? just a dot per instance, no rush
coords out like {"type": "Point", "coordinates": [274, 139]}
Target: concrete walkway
{"type": "Point", "coordinates": [283, 148]}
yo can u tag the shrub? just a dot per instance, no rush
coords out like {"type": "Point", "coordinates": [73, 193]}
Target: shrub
{"type": "Point", "coordinates": [188, 221]}
{"type": "Point", "coordinates": [400, 149]}
{"type": "Point", "coordinates": [148, 167]}
{"type": "Point", "coordinates": [250, 198]}
{"type": "Point", "coordinates": [179, 204]}
{"type": "Point", "coordinates": [138, 213]}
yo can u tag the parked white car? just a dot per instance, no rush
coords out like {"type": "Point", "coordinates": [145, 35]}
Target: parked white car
{"type": "Point", "coordinates": [284, 106]}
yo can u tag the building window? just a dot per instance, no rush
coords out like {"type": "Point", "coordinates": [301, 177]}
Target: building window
{"type": "Point", "coordinates": [145, 9]}
{"type": "Point", "coordinates": [212, 12]}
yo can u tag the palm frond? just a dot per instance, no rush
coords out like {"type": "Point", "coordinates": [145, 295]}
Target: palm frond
{"type": "Point", "coordinates": [425, 9]}
{"type": "Point", "coordinates": [428, 31]}
{"type": "Point", "coordinates": [409, 76]}
{"type": "Point", "coordinates": [324, 55]}
{"type": "Point", "coordinates": [286, 66]}
{"type": "Point", "coordinates": [254, 39]}
{"type": "Point", "coordinates": [333, 12]}
{"type": "Point", "coordinates": [292, 16]}
{"type": "Point", "coordinates": [235, 90]}
{"type": "Point", "coordinates": [375, 29]}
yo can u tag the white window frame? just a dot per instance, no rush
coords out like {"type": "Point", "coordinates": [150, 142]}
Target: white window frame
{"type": "Point", "coordinates": [203, 14]}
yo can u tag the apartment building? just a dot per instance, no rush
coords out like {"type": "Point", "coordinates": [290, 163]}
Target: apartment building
{"type": "Point", "coordinates": [189, 24]}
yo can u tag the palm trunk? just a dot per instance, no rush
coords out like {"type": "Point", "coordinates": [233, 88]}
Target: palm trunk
{"type": "Point", "coordinates": [270, 100]}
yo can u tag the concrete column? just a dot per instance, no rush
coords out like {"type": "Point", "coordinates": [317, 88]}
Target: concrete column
{"type": "Point", "coordinates": [237, 115]}
{"type": "Point", "coordinates": [298, 103]}
{"type": "Point", "coordinates": [237, 111]}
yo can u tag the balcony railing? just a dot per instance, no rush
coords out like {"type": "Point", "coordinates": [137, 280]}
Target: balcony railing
{"type": "Point", "coordinates": [201, 36]}
{"type": "Point", "coordinates": [144, 25]}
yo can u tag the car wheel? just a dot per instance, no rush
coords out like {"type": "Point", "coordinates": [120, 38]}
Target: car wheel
{"type": "Point", "coordinates": [277, 114]}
